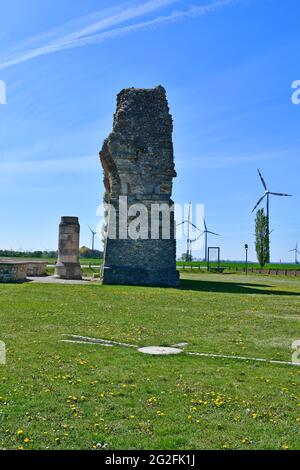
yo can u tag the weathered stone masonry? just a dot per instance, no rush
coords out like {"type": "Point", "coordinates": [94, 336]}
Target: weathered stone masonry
{"type": "Point", "coordinates": [68, 266]}
{"type": "Point", "coordinates": [138, 162]}
{"type": "Point", "coordinates": [13, 271]}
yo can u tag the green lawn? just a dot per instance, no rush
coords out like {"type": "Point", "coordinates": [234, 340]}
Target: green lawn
{"type": "Point", "coordinates": [232, 266]}
{"type": "Point", "coordinates": [56, 395]}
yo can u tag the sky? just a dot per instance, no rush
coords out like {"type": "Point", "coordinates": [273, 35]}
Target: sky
{"type": "Point", "coordinates": [228, 67]}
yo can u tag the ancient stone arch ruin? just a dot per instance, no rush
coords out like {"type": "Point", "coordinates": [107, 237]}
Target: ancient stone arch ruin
{"type": "Point", "coordinates": [138, 164]}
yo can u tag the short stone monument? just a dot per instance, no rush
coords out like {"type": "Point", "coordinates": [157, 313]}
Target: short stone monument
{"type": "Point", "coordinates": [138, 163]}
{"type": "Point", "coordinates": [68, 265]}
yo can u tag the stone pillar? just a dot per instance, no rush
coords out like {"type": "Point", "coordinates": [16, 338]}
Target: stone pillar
{"type": "Point", "coordinates": [68, 266]}
{"type": "Point", "coordinates": [138, 164]}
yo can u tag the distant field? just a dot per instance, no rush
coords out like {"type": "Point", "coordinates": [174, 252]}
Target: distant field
{"type": "Point", "coordinates": [84, 261]}
{"type": "Point", "coordinates": [240, 266]}
{"type": "Point", "coordinates": [195, 264]}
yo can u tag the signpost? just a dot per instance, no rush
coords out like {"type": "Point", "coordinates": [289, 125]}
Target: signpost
{"type": "Point", "coordinates": [246, 248]}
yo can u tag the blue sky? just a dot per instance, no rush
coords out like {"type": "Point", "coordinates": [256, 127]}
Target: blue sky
{"type": "Point", "coordinates": [228, 68]}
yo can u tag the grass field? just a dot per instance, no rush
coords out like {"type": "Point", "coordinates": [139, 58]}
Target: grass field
{"type": "Point", "coordinates": [232, 265]}
{"type": "Point", "coordinates": [56, 395]}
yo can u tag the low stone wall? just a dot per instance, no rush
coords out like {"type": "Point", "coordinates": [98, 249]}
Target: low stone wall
{"type": "Point", "coordinates": [12, 271]}
{"type": "Point", "coordinates": [278, 272]}
{"type": "Point", "coordinates": [36, 269]}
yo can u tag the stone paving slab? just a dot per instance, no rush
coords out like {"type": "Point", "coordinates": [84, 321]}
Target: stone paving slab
{"type": "Point", "coordinates": [159, 350]}
{"type": "Point", "coordinates": [54, 280]}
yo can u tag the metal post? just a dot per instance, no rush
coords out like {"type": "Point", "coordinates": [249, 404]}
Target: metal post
{"type": "Point", "coordinates": [246, 248]}
{"type": "Point", "coordinates": [268, 227]}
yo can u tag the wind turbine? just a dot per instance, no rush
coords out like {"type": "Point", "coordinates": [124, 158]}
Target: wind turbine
{"type": "Point", "coordinates": [297, 252]}
{"type": "Point", "coordinates": [189, 241]}
{"type": "Point", "coordinates": [206, 232]}
{"type": "Point", "coordinates": [93, 237]}
{"type": "Point", "coordinates": [267, 195]}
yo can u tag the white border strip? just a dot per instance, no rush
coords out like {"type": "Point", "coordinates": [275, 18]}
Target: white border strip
{"type": "Point", "coordinates": [87, 339]}
{"type": "Point", "coordinates": [242, 358]}
{"type": "Point", "coordinates": [83, 342]}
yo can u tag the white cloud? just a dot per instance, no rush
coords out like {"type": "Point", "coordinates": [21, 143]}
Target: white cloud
{"type": "Point", "coordinates": [84, 36]}
{"type": "Point", "coordinates": [62, 37]}
{"type": "Point", "coordinates": [223, 161]}
{"type": "Point", "coordinates": [42, 167]}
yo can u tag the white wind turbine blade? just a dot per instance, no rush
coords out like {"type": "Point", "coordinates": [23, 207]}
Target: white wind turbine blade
{"type": "Point", "coordinates": [281, 194]}
{"type": "Point", "coordinates": [262, 180]}
{"type": "Point", "coordinates": [197, 238]}
{"type": "Point", "coordinates": [181, 223]}
{"type": "Point", "coordinates": [259, 201]}
{"type": "Point", "coordinates": [193, 225]}
{"type": "Point", "coordinates": [213, 233]}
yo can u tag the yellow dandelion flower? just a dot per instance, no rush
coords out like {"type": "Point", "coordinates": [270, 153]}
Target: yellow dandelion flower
{"type": "Point", "coordinates": [245, 440]}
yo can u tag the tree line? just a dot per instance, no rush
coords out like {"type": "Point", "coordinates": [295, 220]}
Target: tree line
{"type": "Point", "coordinates": [84, 252]}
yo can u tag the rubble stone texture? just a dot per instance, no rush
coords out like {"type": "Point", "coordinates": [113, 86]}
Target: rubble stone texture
{"type": "Point", "coordinates": [138, 162]}
{"type": "Point", "coordinates": [13, 271]}
{"type": "Point", "coordinates": [68, 266]}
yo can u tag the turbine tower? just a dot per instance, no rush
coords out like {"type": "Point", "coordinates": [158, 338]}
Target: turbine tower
{"type": "Point", "coordinates": [189, 241]}
{"type": "Point", "coordinates": [267, 196]}
{"type": "Point", "coordinates": [297, 252]}
{"type": "Point", "coordinates": [93, 238]}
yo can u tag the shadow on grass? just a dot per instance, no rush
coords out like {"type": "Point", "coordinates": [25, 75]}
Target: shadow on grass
{"type": "Point", "coordinates": [231, 287]}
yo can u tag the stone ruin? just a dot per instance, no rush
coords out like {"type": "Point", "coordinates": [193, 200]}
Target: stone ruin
{"type": "Point", "coordinates": [68, 265]}
{"type": "Point", "coordinates": [138, 163]}
{"type": "Point", "coordinates": [12, 270]}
